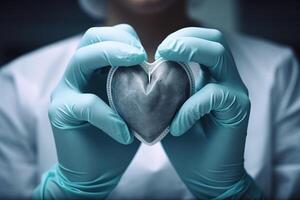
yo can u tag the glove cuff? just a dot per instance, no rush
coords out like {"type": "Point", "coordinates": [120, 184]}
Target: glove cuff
{"type": "Point", "coordinates": [243, 189]}
{"type": "Point", "coordinates": [55, 185]}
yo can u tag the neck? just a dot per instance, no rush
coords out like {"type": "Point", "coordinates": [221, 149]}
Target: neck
{"type": "Point", "coordinates": [151, 28]}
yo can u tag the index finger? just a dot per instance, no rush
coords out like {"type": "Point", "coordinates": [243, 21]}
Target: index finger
{"type": "Point", "coordinates": [211, 54]}
{"type": "Point", "coordinates": [119, 33]}
{"type": "Point", "coordinates": [213, 35]}
{"type": "Point", "coordinates": [92, 57]}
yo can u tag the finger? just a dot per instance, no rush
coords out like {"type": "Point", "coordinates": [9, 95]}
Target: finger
{"type": "Point", "coordinates": [91, 108]}
{"type": "Point", "coordinates": [227, 107]}
{"type": "Point", "coordinates": [128, 29]}
{"type": "Point", "coordinates": [78, 108]}
{"type": "Point", "coordinates": [213, 35]}
{"type": "Point", "coordinates": [190, 49]}
{"type": "Point", "coordinates": [89, 58]}
{"type": "Point", "coordinates": [120, 33]}
{"type": "Point", "coordinates": [210, 54]}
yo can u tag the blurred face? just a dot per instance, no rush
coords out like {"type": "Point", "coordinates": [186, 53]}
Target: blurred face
{"type": "Point", "coordinates": [145, 6]}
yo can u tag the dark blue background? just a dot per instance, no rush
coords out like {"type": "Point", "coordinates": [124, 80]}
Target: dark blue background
{"type": "Point", "coordinates": [29, 24]}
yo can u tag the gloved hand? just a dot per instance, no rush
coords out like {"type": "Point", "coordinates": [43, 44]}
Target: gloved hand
{"type": "Point", "coordinates": [89, 135]}
{"type": "Point", "coordinates": [212, 124]}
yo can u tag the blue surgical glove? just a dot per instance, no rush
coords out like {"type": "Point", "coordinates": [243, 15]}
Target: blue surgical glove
{"type": "Point", "coordinates": [212, 124]}
{"type": "Point", "coordinates": [90, 137]}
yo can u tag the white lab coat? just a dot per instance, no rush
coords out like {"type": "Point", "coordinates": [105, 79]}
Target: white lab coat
{"type": "Point", "coordinates": [270, 72]}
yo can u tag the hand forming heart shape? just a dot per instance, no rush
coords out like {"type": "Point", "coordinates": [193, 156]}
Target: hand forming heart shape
{"type": "Point", "coordinates": [147, 96]}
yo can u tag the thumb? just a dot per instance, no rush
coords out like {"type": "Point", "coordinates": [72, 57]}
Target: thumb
{"type": "Point", "coordinates": [212, 97]}
{"type": "Point", "coordinates": [94, 110]}
{"type": "Point", "coordinates": [77, 109]}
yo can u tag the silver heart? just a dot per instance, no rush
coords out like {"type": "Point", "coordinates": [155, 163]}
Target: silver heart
{"type": "Point", "coordinates": [147, 96]}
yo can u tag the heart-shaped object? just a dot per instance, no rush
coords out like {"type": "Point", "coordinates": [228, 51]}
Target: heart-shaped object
{"type": "Point", "coordinates": [147, 96]}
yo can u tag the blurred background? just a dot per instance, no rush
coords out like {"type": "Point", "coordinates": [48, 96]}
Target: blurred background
{"type": "Point", "coordinates": [30, 24]}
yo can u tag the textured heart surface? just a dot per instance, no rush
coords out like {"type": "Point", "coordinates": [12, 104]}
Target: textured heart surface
{"type": "Point", "coordinates": [148, 96]}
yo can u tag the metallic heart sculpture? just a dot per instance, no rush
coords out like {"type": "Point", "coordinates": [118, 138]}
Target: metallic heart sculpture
{"type": "Point", "coordinates": [147, 96]}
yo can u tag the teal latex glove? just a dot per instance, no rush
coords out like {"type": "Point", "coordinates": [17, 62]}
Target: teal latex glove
{"type": "Point", "coordinates": [213, 122]}
{"type": "Point", "coordinates": [89, 135]}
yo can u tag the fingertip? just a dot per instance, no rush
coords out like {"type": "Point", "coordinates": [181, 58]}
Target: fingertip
{"type": "Point", "coordinates": [117, 129]}
{"type": "Point", "coordinates": [175, 129]}
{"type": "Point", "coordinates": [133, 56]}
{"type": "Point", "coordinates": [128, 139]}
{"type": "Point", "coordinates": [161, 53]}
{"type": "Point", "coordinates": [157, 55]}
{"type": "Point", "coordinates": [125, 137]}
{"type": "Point", "coordinates": [166, 50]}
{"type": "Point", "coordinates": [128, 28]}
{"type": "Point", "coordinates": [139, 51]}
{"type": "Point", "coordinates": [159, 49]}
{"type": "Point", "coordinates": [117, 54]}
{"type": "Point", "coordinates": [138, 57]}
{"type": "Point", "coordinates": [144, 55]}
